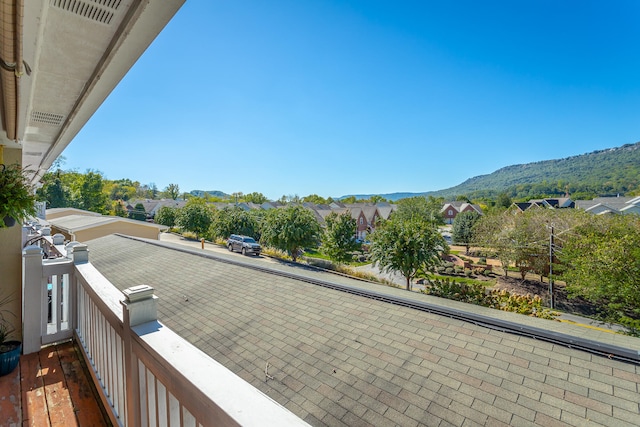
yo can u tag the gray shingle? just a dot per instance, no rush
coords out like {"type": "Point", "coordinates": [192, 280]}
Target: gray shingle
{"type": "Point", "coordinates": [343, 359]}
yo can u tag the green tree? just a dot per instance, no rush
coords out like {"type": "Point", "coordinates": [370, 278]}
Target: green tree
{"type": "Point", "coordinates": [237, 196]}
{"type": "Point", "coordinates": [494, 231]}
{"type": "Point", "coordinates": [153, 190]}
{"type": "Point", "coordinates": [233, 220]}
{"type": "Point", "coordinates": [503, 201]}
{"type": "Point", "coordinates": [338, 240]}
{"type": "Point", "coordinates": [53, 191]}
{"type": "Point", "coordinates": [138, 212]}
{"type": "Point", "coordinates": [406, 246]}
{"type": "Point", "coordinates": [291, 229]}
{"type": "Point", "coordinates": [122, 189]}
{"type": "Point", "coordinates": [462, 230]}
{"type": "Point", "coordinates": [377, 199]}
{"type": "Point", "coordinates": [172, 191]}
{"type": "Point", "coordinates": [257, 198]}
{"type": "Point", "coordinates": [421, 208]}
{"type": "Point", "coordinates": [348, 200]}
{"type": "Point", "coordinates": [119, 209]}
{"type": "Point", "coordinates": [195, 217]}
{"type": "Point", "coordinates": [91, 196]}
{"type": "Point", "coordinates": [166, 215]}
{"type": "Point", "coordinates": [602, 264]}
{"type": "Point", "coordinates": [314, 198]}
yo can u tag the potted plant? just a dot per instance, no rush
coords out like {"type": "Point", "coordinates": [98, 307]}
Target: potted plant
{"type": "Point", "coordinates": [9, 349]}
{"type": "Point", "coordinates": [17, 199]}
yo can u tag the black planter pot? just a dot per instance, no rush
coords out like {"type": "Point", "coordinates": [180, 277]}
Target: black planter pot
{"type": "Point", "coordinates": [9, 359]}
{"type": "Point", "coordinates": [9, 221]}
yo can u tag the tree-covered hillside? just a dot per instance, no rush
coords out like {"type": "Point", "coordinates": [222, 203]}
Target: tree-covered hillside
{"type": "Point", "coordinates": [604, 172]}
{"type": "Point", "coordinates": [611, 171]}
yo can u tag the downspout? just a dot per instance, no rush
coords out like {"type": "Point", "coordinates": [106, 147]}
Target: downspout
{"type": "Point", "coordinates": [10, 62]}
{"type": "Point", "coordinates": [19, 63]}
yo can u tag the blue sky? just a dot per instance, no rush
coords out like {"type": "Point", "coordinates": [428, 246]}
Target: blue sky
{"type": "Point", "coordinates": [290, 97]}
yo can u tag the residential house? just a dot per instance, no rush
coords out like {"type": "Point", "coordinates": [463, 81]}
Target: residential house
{"type": "Point", "coordinates": [450, 210]}
{"type": "Point", "coordinates": [610, 205]}
{"type": "Point", "coordinates": [547, 203]}
{"type": "Point", "coordinates": [366, 215]}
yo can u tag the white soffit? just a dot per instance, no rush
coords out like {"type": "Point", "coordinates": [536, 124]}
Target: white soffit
{"type": "Point", "coordinates": [78, 51]}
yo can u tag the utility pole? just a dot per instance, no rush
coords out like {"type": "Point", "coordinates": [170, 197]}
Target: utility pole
{"type": "Point", "coordinates": [551, 302]}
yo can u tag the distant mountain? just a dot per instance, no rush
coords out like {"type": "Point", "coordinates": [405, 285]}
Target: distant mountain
{"type": "Point", "coordinates": [214, 193]}
{"type": "Point", "coordinates": [604, 172]}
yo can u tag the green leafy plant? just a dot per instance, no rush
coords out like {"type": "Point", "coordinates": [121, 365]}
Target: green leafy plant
{"type": "Point", "coordinates": [17, 199]}
{"type": "Point", "coordinates": [474, 293]}
{"type": "Point", "coordinates": [5, 327]}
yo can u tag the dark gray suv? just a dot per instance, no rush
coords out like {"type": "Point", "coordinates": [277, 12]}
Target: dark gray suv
{"type": "Point", "coordinates": [245, 244]}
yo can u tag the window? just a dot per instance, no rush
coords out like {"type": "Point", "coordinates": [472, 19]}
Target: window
{"type": "Point", "coordinates": [450, 212]}
{"type": "Point", "coordinates": [361, 220]}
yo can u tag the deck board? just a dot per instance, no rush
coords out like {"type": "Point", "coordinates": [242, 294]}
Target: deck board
{"type": "Point", "coordinates": [50, 388]}
{"type": "Point", "coordinates": [34, 402]}
{"type": "Point", "coordinates": [10, 399]}
{"type": "Point", "coordinates": [87, 409]}
{"type": "Point", "coordinates": [55, 389]}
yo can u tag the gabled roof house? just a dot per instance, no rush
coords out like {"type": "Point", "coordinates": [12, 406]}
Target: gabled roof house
{"type": "Point", "coordinates": [452, 209]}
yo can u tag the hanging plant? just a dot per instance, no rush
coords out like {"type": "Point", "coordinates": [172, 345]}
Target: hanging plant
{"type": "Point", "coordinates": [17, 198]}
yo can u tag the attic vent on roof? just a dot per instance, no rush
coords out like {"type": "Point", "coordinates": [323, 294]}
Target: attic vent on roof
{"type": "Point", "coordinates": [97, 10]}
{"type": "Point", "coordinates": [46, 118]}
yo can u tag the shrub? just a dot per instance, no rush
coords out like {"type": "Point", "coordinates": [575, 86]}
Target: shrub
{"type": "Point", "coordinates": [523, 304]}
{"type": "Point", "coordinates": [482, 261]}
{"type": "Point", "coordinates": [499, 299]}
{"type": "Point", "coordinates": [450, 289]}
{"type": "Point", "coordinates": [190, 235]}
{"type": "Point", "coordinates": [468, 272]}
{"type": "Point", "coordinates": [448, 270]}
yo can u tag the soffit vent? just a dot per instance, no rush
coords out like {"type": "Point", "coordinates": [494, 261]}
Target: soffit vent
{"type": "Point", "coordinates": [97, 10]}
{"type": "Point", "coordinates": [46, 118]}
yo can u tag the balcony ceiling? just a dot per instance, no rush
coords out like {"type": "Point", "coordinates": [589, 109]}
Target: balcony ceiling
{"type": "Point", "coordinates": [60, 59]}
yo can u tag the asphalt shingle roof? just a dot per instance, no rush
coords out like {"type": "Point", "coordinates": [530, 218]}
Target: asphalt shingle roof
{"type": "Point", "coordinates": [345, 360]}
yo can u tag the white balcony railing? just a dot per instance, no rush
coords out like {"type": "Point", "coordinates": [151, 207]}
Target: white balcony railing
{"type": "Point", "coordinates": [146, 374]}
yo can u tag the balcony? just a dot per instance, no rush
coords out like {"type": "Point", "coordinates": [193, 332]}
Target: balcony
{"type": "Point", "coordinates": [51, 387]}
{"type": "Point", "coordinates": [144, 373]}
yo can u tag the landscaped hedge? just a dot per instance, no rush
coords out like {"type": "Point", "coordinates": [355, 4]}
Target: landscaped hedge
{"type": "Point", "coordinates": [499, 299]}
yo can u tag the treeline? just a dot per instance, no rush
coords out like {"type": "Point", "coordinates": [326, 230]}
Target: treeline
{"type": "Point", "coordinates": [93, 192]}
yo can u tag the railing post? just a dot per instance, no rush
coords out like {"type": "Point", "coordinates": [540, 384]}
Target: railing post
{"type": "Point", "coordinates": [33, 308]}
{"type": "Point", "coordinates": [140, 306]}
{"type": "Point", "coordinates": [78, 252]}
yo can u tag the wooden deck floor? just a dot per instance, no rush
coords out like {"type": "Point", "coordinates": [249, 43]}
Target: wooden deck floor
{"type": "Point", "coordinates": [50, 388]}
